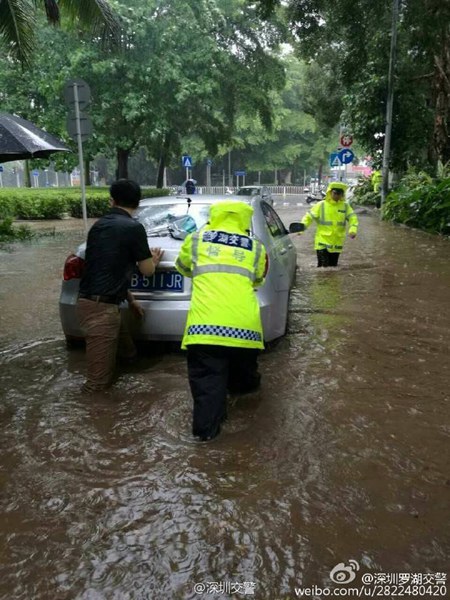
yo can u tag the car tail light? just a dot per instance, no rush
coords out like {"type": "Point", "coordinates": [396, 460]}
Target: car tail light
{"type": "Point", "coordinates": [266, 266]}
{"type": "Point", "coordinates": [73, 267]}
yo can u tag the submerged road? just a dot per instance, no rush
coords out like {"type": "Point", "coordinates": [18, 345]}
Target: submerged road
{"type": "Point", "coordinates": [341, 456]}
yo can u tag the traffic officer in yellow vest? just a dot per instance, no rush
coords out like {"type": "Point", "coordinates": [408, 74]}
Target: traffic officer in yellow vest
{"type": "Point", "coordinates": [223, 334]}
{"type": "Point", "coordinates": [331, 215]}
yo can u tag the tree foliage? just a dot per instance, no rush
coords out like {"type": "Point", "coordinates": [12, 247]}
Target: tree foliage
{"type": "Point", "coordinates": [348, 44]}
{"type": "Point", "coordinates": [17, 22]}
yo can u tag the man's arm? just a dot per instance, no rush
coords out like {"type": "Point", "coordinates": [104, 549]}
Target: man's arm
{"type": "Point", "coordinates": [147, 267]}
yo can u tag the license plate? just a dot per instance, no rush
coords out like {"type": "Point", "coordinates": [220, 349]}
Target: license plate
{"type": "Point", "coordinates": [160, 281]}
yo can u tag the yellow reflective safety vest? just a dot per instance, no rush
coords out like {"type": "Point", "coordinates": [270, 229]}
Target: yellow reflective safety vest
{"type": "Point", "coordinates": [331, 218]}
{"type": "Point", "coordinates": [226, 265]}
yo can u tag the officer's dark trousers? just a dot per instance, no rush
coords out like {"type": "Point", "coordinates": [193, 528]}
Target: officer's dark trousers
{"type": "Point", "coordinates": [327, 259]}
{"type": "Point", "coordinates": [214, 371]}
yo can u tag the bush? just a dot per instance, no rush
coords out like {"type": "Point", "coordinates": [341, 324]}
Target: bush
{"type": "Point", "coordinates": [420, 201]}
{"type": "Point", "coordinates": [97, 204]}
{"type": "Point", "coordinates": [8, 233]}
{"type": "Point", "coordinates": [43, 203]}
{"type": "Point", "coordinates": [363, 193]}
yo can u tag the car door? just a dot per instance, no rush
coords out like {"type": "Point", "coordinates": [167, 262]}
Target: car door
{"type": "Point", "coordinates": [282, 250]}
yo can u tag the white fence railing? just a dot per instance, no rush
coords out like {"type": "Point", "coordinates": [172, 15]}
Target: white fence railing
{"type": "Point", "coordinates": [277, 190]}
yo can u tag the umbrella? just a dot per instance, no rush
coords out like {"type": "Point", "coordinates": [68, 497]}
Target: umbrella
{"type": "Point", "coordinates": [20, 139]}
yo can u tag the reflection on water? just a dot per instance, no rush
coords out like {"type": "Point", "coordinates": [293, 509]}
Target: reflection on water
{"type": "Point", "coordinates": [342, 454]}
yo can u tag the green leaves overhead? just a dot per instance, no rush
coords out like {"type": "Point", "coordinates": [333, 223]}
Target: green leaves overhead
{"type": "Point", "coordinates": [349, 42]}
{"type": "Point", "coordinates": [17, 21]}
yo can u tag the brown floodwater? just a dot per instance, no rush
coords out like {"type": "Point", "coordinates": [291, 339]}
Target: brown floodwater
{"type": "Point", "coordinates": [342, 455]}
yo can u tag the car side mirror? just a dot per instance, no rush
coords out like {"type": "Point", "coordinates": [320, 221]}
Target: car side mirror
{"type": "Point", "coordinates": [296, 227]}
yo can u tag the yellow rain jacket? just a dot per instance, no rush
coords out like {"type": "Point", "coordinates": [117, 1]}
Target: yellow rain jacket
{"type": "Point", "coordinates": [226, 265]}
{"type": "Point", "coordinates": [331, 218]}
{"type": "Point", "coordinates": [376, 180]}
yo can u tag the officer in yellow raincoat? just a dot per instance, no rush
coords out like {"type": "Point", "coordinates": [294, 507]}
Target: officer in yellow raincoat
{"type": "Point", "coordinates": [376, 180]}
{"type": "Point", "coordinates": [332, 216]}
{"type": "Point", "coordinates": [223, 334]}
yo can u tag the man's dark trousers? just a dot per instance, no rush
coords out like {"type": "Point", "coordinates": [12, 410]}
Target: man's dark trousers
{"type": "Point", "coordinates": [214, 371]}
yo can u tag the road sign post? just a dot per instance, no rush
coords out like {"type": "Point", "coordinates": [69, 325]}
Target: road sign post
{"type": "Point", "coordinates": [77, 95]}
{"type": "Point", "coordinates": [80, 154]}
{"type": "Point", "coordinates": [346, 156]}
{"type": "Point", "coordinates": [346, 140]}
{"type": "Point", "coordinates": [240, 174]}
{"type": "Point", "coordinates": [334, 159]}
{"type": "Point", "coordinates": [187, 163]}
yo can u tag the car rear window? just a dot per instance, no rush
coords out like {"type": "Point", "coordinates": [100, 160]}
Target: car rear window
{"type": "Point", "coordinates": [246, 192]}
{"type": "Point", "coordinates": [159, 216]}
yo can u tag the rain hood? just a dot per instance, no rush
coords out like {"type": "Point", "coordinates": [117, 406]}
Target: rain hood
{"type": "Point", "coordinates": [232, 214]}
{"type": "Point", "coordinates": [335, 185]}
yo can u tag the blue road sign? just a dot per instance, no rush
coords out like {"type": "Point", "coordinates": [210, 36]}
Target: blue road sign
{"type": "Point", "coordinates": [334, 159]}
{"type": "Point", "coordinates": [186, 161]}
{"type": "Point", "coordinates": [346, 156]}
{"type": "Point", "coordinates": [239, 173]}
{"type": "Point", "coordinates": [208, 162]}
{"type": "Point", "coordinates": [1, 168]}
{"type": "Point", "coordinates": [35, 173]}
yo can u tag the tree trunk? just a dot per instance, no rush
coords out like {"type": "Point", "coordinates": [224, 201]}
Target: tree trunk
{"type": "Point", "coordinates": [319, 173]}
{"type": "Point", "coordinates": [161, 167]}
{"type": "Point", "coordinates": [27, 174]}
{"type": "Point", "coordinates": [122, 163]}
{"type": "Point", "coordinates": [441, 92]}
{"type": "Point", "coordinates": [163, 157]}
{"type": "Point", "coordinates": [87, 171]}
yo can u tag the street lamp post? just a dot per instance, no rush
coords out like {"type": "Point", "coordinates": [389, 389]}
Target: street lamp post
{"type": "Point", "coordinates": [389, 102]}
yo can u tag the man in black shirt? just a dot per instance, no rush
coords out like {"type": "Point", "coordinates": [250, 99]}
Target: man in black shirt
{"type": "Point", "coordinates": [115, 244]}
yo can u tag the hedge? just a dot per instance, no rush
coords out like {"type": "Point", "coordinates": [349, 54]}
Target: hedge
{"type": "Point", "coordinates": [43, 203]}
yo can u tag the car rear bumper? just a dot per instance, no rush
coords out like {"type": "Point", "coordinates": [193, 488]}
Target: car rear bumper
{"type": "Point", "coordinates": [164, 320]}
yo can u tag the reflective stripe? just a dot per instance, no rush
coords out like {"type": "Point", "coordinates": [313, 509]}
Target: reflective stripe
{"type": "Point", "coordinates": [223, 331]}
{"type": "Point", "coordinates": [223, 269]}
{"type": "Point", "coordinates": [341, 223]}
{"type": "Point", "coordinates": [256, 260]}
{"type": "Point", "coordinates": [183, 267]}
{"type": "Point", "coordinates": [195, 241]}
{"type": "Point", "coordinates": [326, 246]}
{"type": "Point", "coordinates": [322, 216]}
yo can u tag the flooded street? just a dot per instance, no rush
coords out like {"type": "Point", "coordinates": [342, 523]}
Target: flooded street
{"type": "Point", "coordinates": [342, 455]}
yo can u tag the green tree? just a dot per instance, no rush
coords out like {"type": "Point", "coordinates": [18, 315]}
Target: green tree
{"type": "Point", "coordinates": [17, 21]}
{"type": "Point", "coordinates": [187, 68]}
{"type": "Point", "coordinates": [349, 42]}
{"type": "Point", "coordinates": [297, 143]}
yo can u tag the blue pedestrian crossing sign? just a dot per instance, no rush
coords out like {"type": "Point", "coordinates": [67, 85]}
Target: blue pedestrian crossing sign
{"type": "Point", "coordinates": [334, 159]}
{"type": "Point", "coordinates": [186, 161]}
{"type": "Point", "coordinates": [346, 156]}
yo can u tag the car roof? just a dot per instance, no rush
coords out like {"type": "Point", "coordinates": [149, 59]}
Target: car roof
{"type": "Point", "coordinates": [194, 198]}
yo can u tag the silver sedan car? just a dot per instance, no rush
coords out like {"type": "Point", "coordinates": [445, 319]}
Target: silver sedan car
{"type": "Point", "coordinates": [256, 190]}
{"type": "Point", "coordinates": [165, 296]}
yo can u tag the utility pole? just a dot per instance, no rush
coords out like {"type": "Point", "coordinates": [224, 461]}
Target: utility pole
{"type": "Point", "coordinates": [389, 101]}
